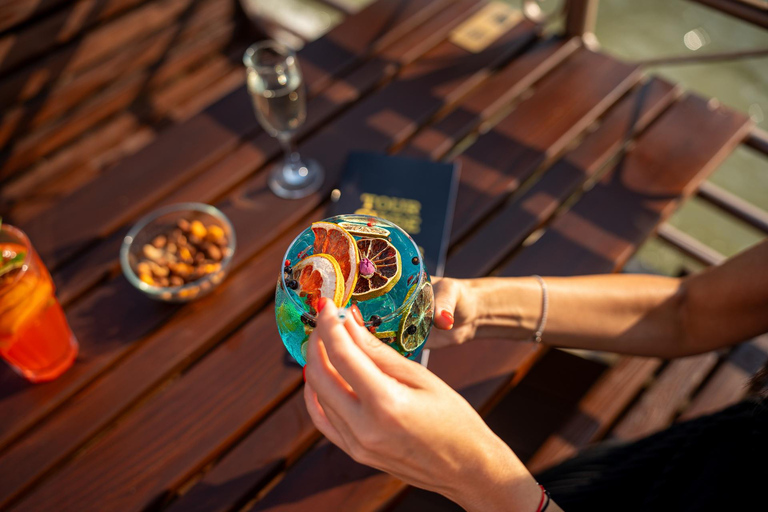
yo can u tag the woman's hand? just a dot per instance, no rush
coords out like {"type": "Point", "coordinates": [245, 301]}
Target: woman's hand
{"type": "Point", "coordinates": [455, 312]}
{"type": "Point", "coordinates": [395, 415]}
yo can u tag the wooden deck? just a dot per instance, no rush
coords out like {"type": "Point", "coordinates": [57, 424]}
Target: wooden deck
{"type": "Point", "coordinates": [570, 160]}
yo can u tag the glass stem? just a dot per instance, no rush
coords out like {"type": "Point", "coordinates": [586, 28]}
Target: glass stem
{"type": "Point", "coordinates": [291, 152]}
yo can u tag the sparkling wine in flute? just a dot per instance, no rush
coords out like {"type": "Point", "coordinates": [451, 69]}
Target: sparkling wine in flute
{"type": "Point", "coordinates": [275, 84]}
{"type": "Point", "coordinates": [280, 111]}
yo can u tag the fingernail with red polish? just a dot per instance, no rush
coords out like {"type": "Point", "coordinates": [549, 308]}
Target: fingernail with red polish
{"type": "Point", "coordinates": [321, 304]}
{"type": "Point", "coordinates": [448, 317]}
{"type": "Point", "coordinates": [304, 373]}
{"type": "Point", "coordinates": [357, 315]}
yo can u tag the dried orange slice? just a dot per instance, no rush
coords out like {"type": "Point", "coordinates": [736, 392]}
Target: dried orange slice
{"type": "Point", "coordinates": [364, 230]}
{"type": "Point", "coordinates": [337, 242]}
{"type": "Point", "coordinates": [318, 276]}
{"type": "Point", "coordinates": [380, 268]}
{"type": "Point", "coordinates": [417, 321]}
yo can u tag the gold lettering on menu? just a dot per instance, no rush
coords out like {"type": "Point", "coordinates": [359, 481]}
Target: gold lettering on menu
{"type": "Point", "coordinates": [406, 213]}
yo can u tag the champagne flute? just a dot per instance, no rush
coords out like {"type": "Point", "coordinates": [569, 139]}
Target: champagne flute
{"type": "Point", "coordinates": [279, 99]}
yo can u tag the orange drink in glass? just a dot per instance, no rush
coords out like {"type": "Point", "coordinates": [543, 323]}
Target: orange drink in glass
{"type": "Point", "coordinates": [35, 339]}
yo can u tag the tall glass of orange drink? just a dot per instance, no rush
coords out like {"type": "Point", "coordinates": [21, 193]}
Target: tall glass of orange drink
{"type": "Point", "coordinates": [35, 339]}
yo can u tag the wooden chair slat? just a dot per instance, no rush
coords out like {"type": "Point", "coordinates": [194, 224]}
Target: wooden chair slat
{"type": "Point", "coordinates": [502, 89]}
{"type": "Point", "coordinates": [599, 408]}
{"type": "Point", "coordinates": [521, 216]}
{"type": "Point", "coordinates": [14, 12]}
{"type": "Point", "coordinates": [729, 383]}
{"type": "Point", "coordinates": [666, 396]}
{"type": "Point", "coordinates": [501, 159]}
{"type": "Point", "coordinates": [668, 161]}
{"type": "Point", "coordinates": [56, 74]}
{"type": "Point", "coordinates": [50, 31]}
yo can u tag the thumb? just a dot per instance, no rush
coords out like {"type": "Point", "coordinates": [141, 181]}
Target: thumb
{"type": "Point", "coordinates": [446, 297]}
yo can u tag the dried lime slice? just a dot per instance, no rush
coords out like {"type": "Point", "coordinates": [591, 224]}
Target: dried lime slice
{"type": "Point", "coordinates": [417, 321]}
{"type": "Point", "coordinates": [380, 268]}
{"type": "Point", "coordinates": [364, 230]}
{"type": "Point", "coordinates": [288, 319]}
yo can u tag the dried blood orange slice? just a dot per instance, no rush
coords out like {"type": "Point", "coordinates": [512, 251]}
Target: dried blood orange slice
{"type": "Point", "coordinates": [380, 268]}
{"type": "Point", "coordinates": [318, 276]}
{"type": "Point", "coordinates": [337, 242]}
{"type": "Point", "coordinates": [417, 321]}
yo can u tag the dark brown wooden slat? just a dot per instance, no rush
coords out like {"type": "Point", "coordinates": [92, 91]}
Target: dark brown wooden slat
{"type": "Point", "coordinates": [49, 194]}
{"type": "Point", "coordinates": [663, 400]}
{"type": "Point", "coordinates": [534, 132]}
{"type": "Point", "coordinates": [168, 52]}
{"type": "Point", "coordinates": [502, 89]}
{"type": "Point", "coordinates": [97, 44]}
{"type": "Point", "coordinates": [77, 154]}
{"type": "Point", "coordinates": [56, 72]}
{"type": "Point", "coordinates": [666, 166]}
{"type": "Point", "coordinates": [604, 402]}
{"type": "Point", "coordinates": [287, 433]}
{"type": "Point", "coordinates": [187, 149]}
{"type": "Point", "coordinates": [195, 84]}
{"type": "Point", "coordinates": [207, 97]}
{"type": "Point", "coordinates": [42, 131]}
{"type": "Point", "coordinates": [113, 99]}
{"type": "Point", "coordinates": [729, 383]}
{"type": "Point", "coordinates": [105, 304]}
{"type": "Point", "coordinates": [91, 267]}
{"type": "Point", "coordinates": [14, 12]}
{"type": "Point", "coordinates": [62, 26]}
{"type": "Point", "coordinates": [521, 216]}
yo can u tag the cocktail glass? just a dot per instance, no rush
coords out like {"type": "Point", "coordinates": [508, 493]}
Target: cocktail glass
{"type": "Point", "coordinates": [383, 273]}
{"type": "Point", "coordinates": [35, 339]}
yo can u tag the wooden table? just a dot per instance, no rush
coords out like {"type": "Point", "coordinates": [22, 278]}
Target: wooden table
{"type": "Point", "coordinates": [194, 407]}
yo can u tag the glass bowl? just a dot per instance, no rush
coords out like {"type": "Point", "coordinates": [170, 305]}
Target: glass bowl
{"type": "Point", "coordinates": [160, 222]}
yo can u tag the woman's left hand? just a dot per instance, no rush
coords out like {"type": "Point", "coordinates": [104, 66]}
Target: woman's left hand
{"type": "Point", "coordinates": [393, 414]}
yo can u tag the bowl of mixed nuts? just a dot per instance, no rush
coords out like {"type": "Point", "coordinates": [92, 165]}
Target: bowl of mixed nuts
{"type": "Point", "coordinates": [179, 252]}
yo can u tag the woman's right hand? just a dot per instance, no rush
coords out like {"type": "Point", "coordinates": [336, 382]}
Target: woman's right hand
{"type": "Point", "coordinates": [455, 312]}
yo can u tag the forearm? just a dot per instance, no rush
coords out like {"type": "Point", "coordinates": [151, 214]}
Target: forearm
{"type": "Point", "coordinates": [631, 314]}
{"type": "Point", "coordinates": [502, 484]}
